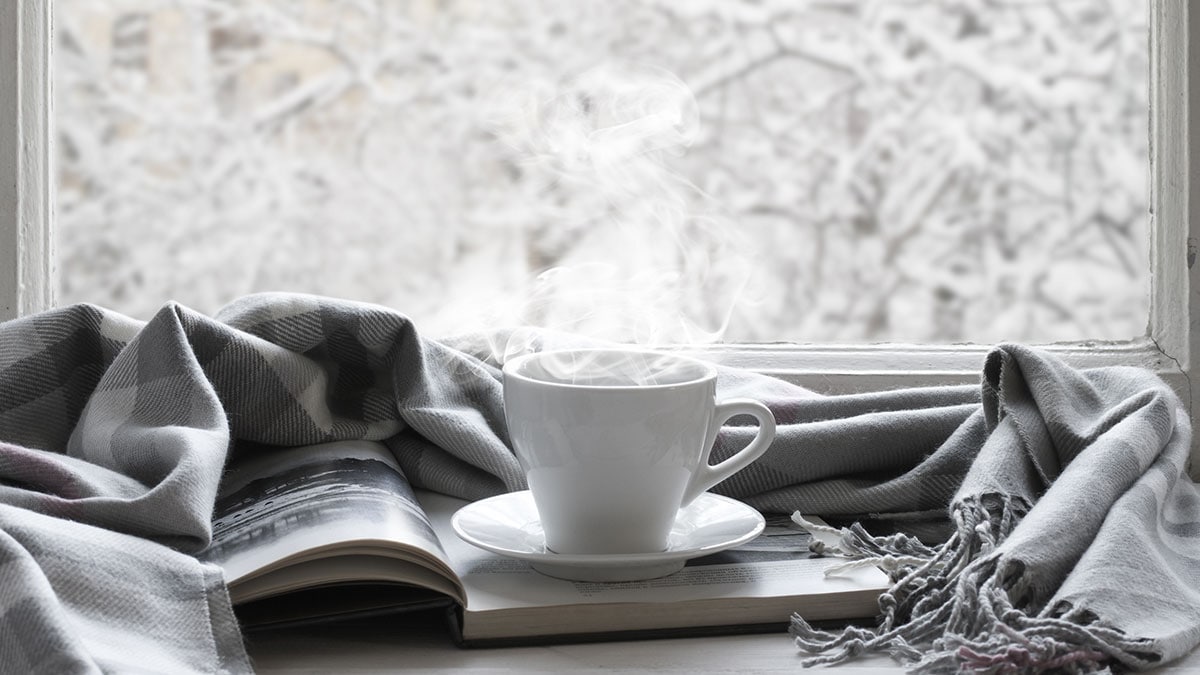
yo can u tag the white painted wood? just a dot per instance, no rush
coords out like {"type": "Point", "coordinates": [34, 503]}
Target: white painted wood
{"type": "Point", "coordinates": [851, 368]}
{"type": "Point", "coordinates": [37, 179]}
{"type": "Point", "coordinates": [1174, 116]}
{"type": "Point", "coordinates": [387, 647]}
{"type": "Point", "coordinates": [1169, 134]}
{"type": "Point", "coordinates": [1191, 282]}
{"type": "Point", "coordinates": [26, 151]}
{"type": "Point", "coordinates": [10, 233]}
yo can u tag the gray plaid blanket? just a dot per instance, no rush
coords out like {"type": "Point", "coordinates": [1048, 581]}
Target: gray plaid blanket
{"type": "Point", "coordinates": [1056, 526]}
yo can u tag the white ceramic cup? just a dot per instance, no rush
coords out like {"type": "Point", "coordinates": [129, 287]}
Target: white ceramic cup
{"type": "Point", "coordinates": [614, 442]}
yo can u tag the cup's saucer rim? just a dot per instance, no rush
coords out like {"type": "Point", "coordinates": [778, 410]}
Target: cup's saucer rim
{"type": "Point", "coordinates": [507, 525]}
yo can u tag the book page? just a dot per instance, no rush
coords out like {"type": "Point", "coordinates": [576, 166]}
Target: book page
{"type": "Point", "coordinates": [293, 506]}
{"type": "Point", "coordinates": [776, 564]}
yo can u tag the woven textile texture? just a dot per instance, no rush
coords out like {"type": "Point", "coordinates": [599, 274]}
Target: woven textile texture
{"type": "Point", "coordinates": [1040, 520]}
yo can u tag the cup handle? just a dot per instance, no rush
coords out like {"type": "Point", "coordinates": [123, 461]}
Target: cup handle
{"type": "Point", "coordinates": [707, 475]}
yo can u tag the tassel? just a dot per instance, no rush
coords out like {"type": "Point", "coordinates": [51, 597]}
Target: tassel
{"type": "Point", "coordinates": [948, 610]}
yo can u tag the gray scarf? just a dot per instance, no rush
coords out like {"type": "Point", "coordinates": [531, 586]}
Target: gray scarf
{"type": "Point", "coordinates": [1075, 533]}
{"type": "Point", "coordinates": [1071, 531]}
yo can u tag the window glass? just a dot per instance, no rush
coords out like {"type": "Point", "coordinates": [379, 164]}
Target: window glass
{"type": "Point", "coordinates": [746, 171]}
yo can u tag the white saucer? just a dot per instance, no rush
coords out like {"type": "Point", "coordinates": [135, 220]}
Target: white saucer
{"type": "Point", "coordinates": [508, 525]}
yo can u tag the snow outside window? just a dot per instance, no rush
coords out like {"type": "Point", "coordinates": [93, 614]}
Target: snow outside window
{"type": "Point", "coordinates": [744, 171]}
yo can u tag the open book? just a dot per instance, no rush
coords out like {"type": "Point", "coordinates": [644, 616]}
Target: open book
{"type": "Point", "coordinates": [336, 530]}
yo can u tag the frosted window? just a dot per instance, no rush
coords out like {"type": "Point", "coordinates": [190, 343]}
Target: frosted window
{"type": "Point", "coordinates": [754, 171]}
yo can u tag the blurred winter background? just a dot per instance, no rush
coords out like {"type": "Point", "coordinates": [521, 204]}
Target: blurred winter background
{"type": "Point", "coordinates": [738, 170]}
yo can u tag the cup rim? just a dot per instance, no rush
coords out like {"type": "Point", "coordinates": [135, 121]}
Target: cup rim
{"type": "Point", "coordinates": [708, 371]}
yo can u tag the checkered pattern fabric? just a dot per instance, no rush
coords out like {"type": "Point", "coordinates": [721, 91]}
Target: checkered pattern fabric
{"type": "Point", "coordinates": [114, 432]}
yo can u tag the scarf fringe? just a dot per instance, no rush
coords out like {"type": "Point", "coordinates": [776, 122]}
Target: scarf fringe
{"type": "Point", "coordinates": [948, 610]}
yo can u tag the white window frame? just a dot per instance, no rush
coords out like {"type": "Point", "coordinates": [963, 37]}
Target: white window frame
{"type": "Point", "coordinates": [26, 155]}
{"type": "Point", "coordinates": [27, 274]}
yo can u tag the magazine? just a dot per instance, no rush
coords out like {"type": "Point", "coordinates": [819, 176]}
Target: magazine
{"type": "Point", "coordinates": [335, 530]}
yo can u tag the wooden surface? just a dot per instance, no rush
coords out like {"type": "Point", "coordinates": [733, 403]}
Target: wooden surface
{"type": "Point", "coordinates": [390, 647]}
{"type": "Point", "coordinates": [27, 283]}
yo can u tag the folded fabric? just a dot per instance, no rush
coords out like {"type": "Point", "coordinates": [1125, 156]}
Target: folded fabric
{"type": "Point", "coordinates": [1071, 522]}
{"type": "Point", "coordinates": [1076, 541]}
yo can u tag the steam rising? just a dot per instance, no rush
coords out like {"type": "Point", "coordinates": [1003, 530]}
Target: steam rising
{"type": "Point", "coordinates": [602, 143]}
{"type": "Point", "coordinates": [605, 368]}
